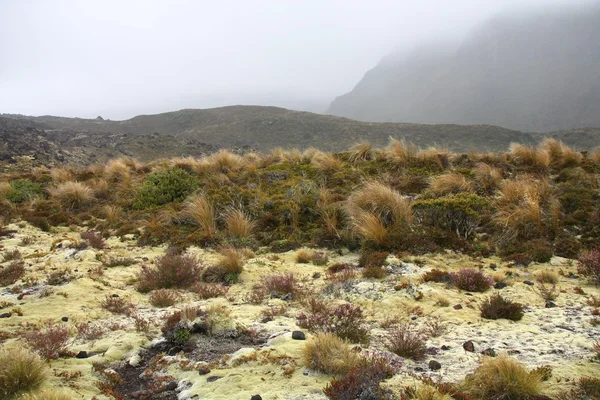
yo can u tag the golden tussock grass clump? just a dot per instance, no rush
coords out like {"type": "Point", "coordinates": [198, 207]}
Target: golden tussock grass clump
{"type": "Point", "coordinates": [95, 169]}
{"type": "Point", "coordinates": [561, 155]}
{"type": "Point", "coordinates": [62, 174]}
{"type": "Point", "coordinates": [362, 151]}
{"type": "Point", "coordinates": [330, 211]}
{"type": "Point", "coordinates": [72, 193]}
{"type": "Point", "coordinates": [224, 161]}
{"type": "Point", "coordinates": [450, 183]}
{"type": "Point", "coordinates": [530, 156]}
{"type": "Point", "coordinates": [303, 256]}
{"type": "Point", "coordinates": [436, 156]}
{"type": "Point", "coordinates": [546, 276]}
{"type": "Point", "coordinates": [487, 178]}
{"type": "Point", "coordinates": [502, 378]}
{"type": "Point", "coordinates": [232, 259]}
{"type": "Point", "coordinates": [117, 170]}
{"type": "Point", "coordinates": [48, 394]}
{"type": "Point", "coordinates": [20, 371]}
{"type": "Point", "coordinates": [329, 354]}
{"type": "Point", "coordinates": [387, 203]}
{"type": "Point", "coordinates": [5, 190]}
{"type": "Point", "coordinates": [427, 392]}
{"type": "Point", "coordinates": [369, 226]}
{"type": "Point", "coordinates": [200, 211]}
{"type": "Point", "coordinates": [326, 162]}
{"type": "Point", "coordinates": [526, 208]}
{"type": "Point", "coordinates": [238, 223]}
{"type": "Point", "coordinates": [101, 187]}
{"type": "Point", "coordinates": [400, 152]}
{"type": "Point", "coordinates": [112, 214]}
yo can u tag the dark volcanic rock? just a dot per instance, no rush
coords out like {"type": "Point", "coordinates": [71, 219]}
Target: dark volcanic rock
{"type": "Point", "coordinates": [434, 365]}
{"type": "Point", "coordinates": [298, 335]}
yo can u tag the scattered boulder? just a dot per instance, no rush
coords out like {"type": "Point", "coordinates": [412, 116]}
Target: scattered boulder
{"type": "Point", "coordinates": [5, 315]}
{"type": "Point", "coordinates": [256, 397]}
{"type": "Point", "coordinates": [298, 335]}
{"type": "Point", "coordinates": [171, 386]}
{"type": "Point", "coordinates": [550, 304]}
{"type": "Point", "coordinates": [528, 283]}
{"type": "Point", "coordinates": [500, 285]}
{"type": "Point", "coordinates": [65, 319]}
{"type": "Point", "coordinates": [213, 378]}
{"type": "Point", "coordinates": [204, 371]}
{"type": "Point", "coordinates": [489, 352]}
{"type": "Point", "coordinates": [469, 346]}
{"type": "Point", "coordinates": [82, 354]}
{"type": "Point", "coordinates": [457, 307]}
{"type": "Point", "coordinates": [434, 365]}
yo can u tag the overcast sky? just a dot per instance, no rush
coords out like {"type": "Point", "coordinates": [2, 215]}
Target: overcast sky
{"type": "Point", "coordinates": [120, 58]}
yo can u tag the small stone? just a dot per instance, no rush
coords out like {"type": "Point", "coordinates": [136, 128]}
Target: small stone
{"type": "Point", "coordinates": [573, 276]}
{"type": "Point", "coordinates": [5, 315]}
{"type": "Point", "coordinates": [82, 354]}
{"type": "Point", "coordinates": [489, 352]}
{"type": "Point", "coordinates": [550, 304]}
{"type": "Point", "coordinates": [256, 397]}
{"type": "Point", "coordinates": [419, 369]}
{"type": "Point", "coordinates": [20, 297]}
{"type": "Point", "coordinates": [316, 275]}
{"type": "Point", "coordinates": [65, 319]}
{"type": "Point", "coordinates": [500, 285]}
{"type": "Point", "coordinates": [414, 318]}
{"type": "Point", "coordinates": [213, 378]}
{"type": "Point", "coordinates": [266, 319]}
{"type": "Point", "coordinates": [287, 297]}
{"type": "Point", "coordinates": [145, 258]}
{"type": "Point", "coordinates": [199, 328]}
{"type": "Point", "coordinates": [434, 365]}
{"type": "Point", "coordinates": [528, 283]}
{"type": "Point", "coordinates": [512, 352]}
{"type": "Point", "coordinates": [457, 307]}
{"type": "Point", "coordinates": [204, 371]}
{"type": "Point", "coordinates": [171, 386]}
{"type": "Point", "coordinates": [444, 347]}
{"type": "Point", "coordinates": [469, 346]}
{"type": "Point", "coordinates": [114, 295]}
{"type": "Point", "coordinates": [468, 294]}
{"type": "Point", "coordinates": [298, 335]}
{"type": "Point", "coordinates": [432, 351]}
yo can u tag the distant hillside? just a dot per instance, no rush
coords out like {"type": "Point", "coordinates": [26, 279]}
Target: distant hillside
{"type": "Point", "coordinates": [539, 71]}
{"type": "Point", "coordinates": [197, 132]}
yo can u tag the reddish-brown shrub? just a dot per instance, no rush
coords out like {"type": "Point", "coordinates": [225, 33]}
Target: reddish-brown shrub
{"type": "Point", "coordinates": [12, 273]}
{"type": "Point", "coordinates": [163, 297]}
{"type": "Point", "coordinates": [471, 280]}
{"type": "Point", "coordinates": [361, 381]}
{"type": "Point", "coordinates": [373, 259]}
{"type": "Point", "coordinates": [171, 271]}
{"type": "Point", "coordinates": [94, 239]}
{"type": "Point", "coordinates": [89, 331]}
{"type": "Point", "coordinates": [49, 340]}
{"type": "Point", "coordinates": [117, 305]}
{"type": "Point", "coordinates": [282, 285]}
{"type": "Point", "coordinates": [346, 321]}
{"type": "Point", "coordinates": [589, 265]}
{"type": "Point", "coordinates": [375, 272]}
{"type": "Point", "coordinates": [407, 341]}
{"type": "Point", "coordinates": [436, 275]}
{"type": "Point", "coordinates": [209, 290]}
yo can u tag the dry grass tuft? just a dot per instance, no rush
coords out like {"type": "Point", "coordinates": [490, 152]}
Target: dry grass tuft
{"type": "Point", "coordinates": [329, 354]}
{"type": "Point", "coordinates": [20, 370]}
{"type": "Point", "coordinates": [224, 161]}
{"type": "Point", "coordinates": [502, 378]}
{"type": "Point", "coordinates": [232, 259]}
{"type": "Point", "coordinates": [117, 170]}
{"type": "Point", "coordinates": [561, 155]}
{"type": "Point", "coordinates": [391, 207]}
{"type": "Point", "coordinates": [362, 151]}
{"type": "Point", "coordinates": [304, 256]}
{"type": "Point", "coordinates": [72, 193]}
{"type": "Point", "coordinates": [326, 162]}
{"type": "Point", "coordinates": [5, 190]}
{"type": "Point", "coordinates": [400, 152]}
{"type": "Point", "coordinates": [487, 178]}
{"type": "Point", "coordinates": [62, 174]}
{"type": "Point", "coordinates": [238, 223]}
{"type": "Point", "coordinates": [530, 156]}
{"type": "Point", "coordinates": [48, 394]}
{"type": "Point", "coordinates": [201, 213]}
{"type": "Point", "coordinates": [450, 182]}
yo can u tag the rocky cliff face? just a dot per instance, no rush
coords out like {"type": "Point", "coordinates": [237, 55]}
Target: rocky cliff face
{"type": "Point", "coordinates": [534, 72]}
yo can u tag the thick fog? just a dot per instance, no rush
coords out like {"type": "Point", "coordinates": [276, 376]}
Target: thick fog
{"type": "Point", "coordinates": [120, 58]}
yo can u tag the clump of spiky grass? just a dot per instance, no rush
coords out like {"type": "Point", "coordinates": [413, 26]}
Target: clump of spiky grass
{"type": "Point", "coordinates": [232, 259]}
{"type": "Point", "coordinates": [72, 193]}
{"type": "Point", "coordinates": [5, 190]}
{"type": "Point", "coordinates": [399, 152]}
{"type": "Point", "coordinates": [326, 162]}
{"type": "Point", "coordinates": [502, 378]}
{"type": "Point", "coordinates": [530, 156]}
{"type": "Point", "coordinates": [224, 161]}
{"type": "Point", "coordinates": [407, 341]}
{"type": "Point", "coordinates": [201, 213]}
{"type": "Point", "coordinates": [48, 394]}
{"type": "Point", "coordinates": [561, 155]}
{"type": "Point", "coordinates": [62, 174]}
{"type": "Point", "coordinates": [450, 182]}
{"type": "Point", "coordinates": [238, 223]}
{"type": "Point", "coordinates": [117, 170]}
{"type": "Point", "coordinates": [329, 354]}
{"type": "Point", "coordinates": [171, 271]}
{"type": "Point", "coordinates": [362, 151]}
{"type": "Point", "coordinates": [20, 371]}
{"type": "Point", "coordinates": [526, 208]}
{"type": "Point", "coordinates": [369, 226]}
{"type": "Point", "coordinates": [487, 178]}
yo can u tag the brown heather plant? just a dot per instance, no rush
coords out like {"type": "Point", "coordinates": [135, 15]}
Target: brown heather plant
{"type": "Point", "coordinates": [201, 213]}
{"type": "Point", "coordinates": [117, 305]}
{"type": "Point", "coordinates": [502, 378]}
{"type": "Point", "coordinates": [407, 341]}
{"type": "Point", "coordinates": [72, 194]}
{"type": "Point", "coordinates": [449, 183]}
{"type": "Point", "coordinates": [11, 273]}
{"type": "Point", "coordinates": [238, 223]}
{"type": "Point", "coordinates": [209, 290]}
{"type": "Point", "coordinates": [170, 271]}
{"type": "Point", "coordinates": [20, 371]}
{"type": "Point", "coordinates": [163, 297]}
{"type": "Point", "coordinates": [329, 354]}
{"type": "Point", "coordinates": [49, 340]}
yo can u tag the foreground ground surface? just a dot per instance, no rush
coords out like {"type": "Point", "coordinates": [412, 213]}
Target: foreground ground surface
{"type": "Point", "coordinates": [265, 359]}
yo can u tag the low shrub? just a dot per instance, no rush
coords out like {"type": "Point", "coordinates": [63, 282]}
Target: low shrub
{"type": "Point", "coordinates": [59, 277]}
{"type": "Point", "coordinates": [436, 275]}
{"type": "Point", "coordinates": [471, 280]}
{"type": "Point", "coordinates": [170, 271]}
{"type": "Point", "coordinates": [361, 381]}
{"type": "Point", "coordinates": [94, 239]}
{"type": "Point", "coordinates": [163, 297]}
{"type": "Point", "coordinates": [173, 184]}
{"type": "Point", "coordinates": [547, 276]}
{"type": "Point", "coordinates": [375, 272]}
{"type": "Point", "coordinates": [497, 307]}
{"type": "Point", "coordinates": [12, 273]}
{"type": "Point", "coordinates": [117, 305]}
{"type": "Point", "coordinates": [304, 256]}
{"type": "Point", "coordinates": [540, 251]}
{"type": "Point", "coordinates": [119, 262]}
{"type": "Point", "coordinates": [406, 341]}
{"type": "Point", "coordinates": [23, 190]}
{"type": "Point", "coordinates": [320, 258]}
{"type": "Point", "coordinates": [589, 265]}
{"type": "Point", "coordinates": [11, 255]}
{"type": "Point", "coordinates": [586, 388]}
{"type": "Point", "coordinates": [49, 340]}
{"type": "Point", "coordinates": [502, 378]}
{"type": "Point", "coordinates": [20, 370]}
{"type": "Point", "coordinates": [329, 354]}
{"type": "Point", "coordinates": [373, 259]}
{"type": "Point", "coordinates": [345, 321]}
{"type": "Point", "coordinates": [282, 285]}
{"type": "Point", "coordinates": [209, 290]}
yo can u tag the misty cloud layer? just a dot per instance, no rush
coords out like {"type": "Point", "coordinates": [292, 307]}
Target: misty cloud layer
{"type": "Point", "coordinates": [122, 58]}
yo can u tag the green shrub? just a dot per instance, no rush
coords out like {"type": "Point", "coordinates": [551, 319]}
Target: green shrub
{"type": "Point", "coordinates": [164, 187]}
{"type": "Point", "coordinates": [459, 213]}
{"type": "Point", "coordinates": [24, 189]}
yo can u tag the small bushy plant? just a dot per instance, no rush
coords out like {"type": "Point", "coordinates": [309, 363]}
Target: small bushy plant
{"type": "Point", "coordinates": [589, 265]}
{"type": "Point", "coordinates": [471, 280]}
{"type": "Point", "coordinates": [407, 341]}
{"type": "Point", "coordinates": [23, 190]}
{"type": "Point", "coordinates": [49, 340]}
{"type": "Point", "coordinates": [497, 307]}
{"type": "Point", "coordinates": [163, 297]}
{"type": "Point", "coordinates": [361, 381]}
{"type": "Point", "coordinates": [164, 187]}
{"type": "Point", "coordinates": [170, 271]}
{"type": "Point", "coordinates": [12, 273]}
{"type": "Point", "coordinates": [346, 321]}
